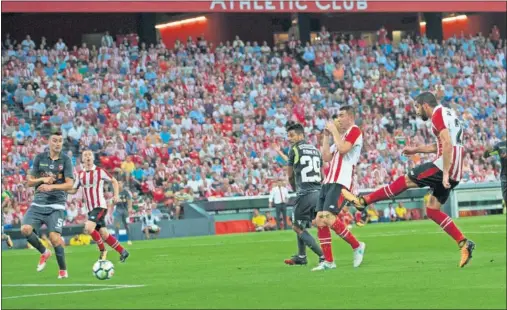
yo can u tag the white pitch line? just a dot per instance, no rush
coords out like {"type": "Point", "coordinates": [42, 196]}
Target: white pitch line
{"type": "Point", "coordinates": [73, 292]}
{"type": "Point", "coordinates": [70, 285]}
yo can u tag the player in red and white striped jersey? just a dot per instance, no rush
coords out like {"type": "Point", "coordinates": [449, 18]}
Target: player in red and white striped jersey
{"type": "Point", "coordinates": [91, 179]}
{"type": "Point", "coordinates": [343, 157]}
{"type": "Point", "coordinates": [441, 176]}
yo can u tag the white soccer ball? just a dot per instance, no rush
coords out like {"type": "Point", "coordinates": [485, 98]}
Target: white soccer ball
{"type": "Point", "coordinates": [103, 270]}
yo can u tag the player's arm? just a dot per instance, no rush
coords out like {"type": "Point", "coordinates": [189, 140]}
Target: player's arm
{"type": "Point", "coordinates": [425, 149]}
{"type": "Point", "coordinates": [278, 149]}
{"type": "Point", "coordinates": [327, 156]}
{"type": "Point", "coordinates": [68, 175]}
{"type": "Point", "coordinates": [343, 146]}
{"type": "Point", "coordinates": [129, 204]}
{"type": "Point", "coordinates": [116, 189]}
{"type": "Point", "coordinates": [32, 179]}
{"type": "Point", "coordinates": [75, 186]}
{"type": "Point", "coordinates": [292, 160]}
{"type": "Point", "coordinates": [445, 137]}
{"type": "Point", "coordinates": [497, 150]}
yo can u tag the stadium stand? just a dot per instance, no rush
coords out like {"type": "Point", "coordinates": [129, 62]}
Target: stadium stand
{"type": "Point", "coordinates": [192, 121]}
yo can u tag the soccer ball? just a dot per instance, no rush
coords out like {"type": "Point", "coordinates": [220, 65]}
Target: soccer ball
{"type": "Point", "coordinates": [103, 270]}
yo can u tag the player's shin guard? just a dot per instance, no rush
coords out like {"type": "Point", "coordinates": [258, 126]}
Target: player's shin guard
{"type": "Point", "coordinates": [60, 257]}
{"type": "Point", "coordinates": [342, 231]}
{"type": "Point", "coordinates": [301, 246]}
{"type": "Point", "coordinates": [324, 234]}
{"type": "Point", "coordinates": [98, 239]}
{"type": "Point", "coordinates": [446, 223]}
{"type": "Point", "coordinates": [387, 192]}
{"type": "Point", "coordinates": [309, 241]}
{"type": "Point", "coordinates": [35, 242]}
{"type": "Point", "coordinates": [115, 244]}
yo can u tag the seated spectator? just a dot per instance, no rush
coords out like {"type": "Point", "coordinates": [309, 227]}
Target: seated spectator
{"type": "Point", "coordinates": [149, 224]}
{"type": "Point", "coordinates": [258, 220]}
{"type": "Point", "coordinates": [270, 222]}
{"type": "Point", "coordinates": [81, 239]}
{"type": "Point", "coordinates": [401, 212]}
{"type": "Point", "coordinates": [373, 216]}
{"type": "Point", "coordinates": [389, 213]}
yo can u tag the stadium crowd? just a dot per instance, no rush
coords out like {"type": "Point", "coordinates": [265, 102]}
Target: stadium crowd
{"type": "Point", "coordinates": [194, 121]}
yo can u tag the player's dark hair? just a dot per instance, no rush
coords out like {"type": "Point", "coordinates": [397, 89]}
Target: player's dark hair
{"type": "Point", "coordinates": [335, 116]}
{"type": "Point", "coordinates": [298, 128]}
{"type": "Point", "coordinates": [427, 98]}
{"type": "Point", "coordinates": [349, 109]}
{"type": "Point", "coordinates": [56, 132]}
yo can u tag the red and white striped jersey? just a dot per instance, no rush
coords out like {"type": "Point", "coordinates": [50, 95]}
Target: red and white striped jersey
{"type": "Point", "coordinates": [92, 182]}
{"type": "Point", "coordinates": [342, 166]}
{"type": "Point", "coordinates": [444, 118]}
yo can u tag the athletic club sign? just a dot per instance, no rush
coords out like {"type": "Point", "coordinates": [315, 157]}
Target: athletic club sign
{"type": "Point", "coordinates": [288, 5]}
{"type": "Point", "coordinates": [252, 6]}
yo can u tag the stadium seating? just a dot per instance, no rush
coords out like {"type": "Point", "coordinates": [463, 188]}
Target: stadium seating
{"type": "Point", "coordinates": [204, 121]}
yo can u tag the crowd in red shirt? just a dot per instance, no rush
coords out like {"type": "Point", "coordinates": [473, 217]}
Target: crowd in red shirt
{"type": "Point", "coordinates": [200, 120]}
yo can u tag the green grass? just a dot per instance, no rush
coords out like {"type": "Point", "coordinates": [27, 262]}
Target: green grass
{"type": "Point", "coordinates": [407, 265]}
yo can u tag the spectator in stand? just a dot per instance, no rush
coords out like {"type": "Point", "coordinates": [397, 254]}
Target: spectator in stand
{"type": "Point", "coordinates": [222, 105]}
{"type": "Point", "coordinates": [401, 213]}
{"type": "Point", "coordinates": [389, 213]}
{"type": "Point", "coordinates": [372, 214]}
{"type": "Point", "coordinates": [270, 222]}
{"type": "Point", "coordinates": [259, 220]}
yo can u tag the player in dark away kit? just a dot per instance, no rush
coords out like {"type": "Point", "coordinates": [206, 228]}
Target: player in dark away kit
{"type": "Point", "coordinates": [500, 149]}
{"type": "Point", "coordinates": [51, 175]}
{"type": "Point", "coordinates": [305, 175]}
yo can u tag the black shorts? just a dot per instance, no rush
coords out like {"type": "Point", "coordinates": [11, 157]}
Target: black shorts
{"type": "Point", "coordinates": [153, 231]}
{"type": "Point", "coordinates": [304, 209]}
{"type": "Point", "coordinates": [331, 198]}
{"type": "Point", "coordinates": [98, 216]}
{"type": "Point", "coordinates": [429, 175]}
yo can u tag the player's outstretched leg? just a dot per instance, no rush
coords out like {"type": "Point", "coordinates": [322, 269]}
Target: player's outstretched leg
{"type": "Point", "coordinates": [115, 244]}
{"type": "Point", "coordinates": [56, 241]}
{"type": "Point", "coordinates": [34, 240]}
{"type": "Point", "coordinates": [387, 192]}
{"type": "Point", "coordinates": [447, 224]}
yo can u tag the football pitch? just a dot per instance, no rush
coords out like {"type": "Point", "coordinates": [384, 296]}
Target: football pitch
{"type": "Point", "coordinates": [407, 265]}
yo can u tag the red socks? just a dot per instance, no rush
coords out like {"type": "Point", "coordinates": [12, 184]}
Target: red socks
{"type": "Point", "coordinates": [388, 192]}
{"type": "Point", "coordinates": [446, 223]}
{"type": "Point", "coordinates": [115, 244]}
{"type": "Point", "coordinates": [98, 239]}
{"type": "Point", "coordinates": [324, 235]}
{"type": "Point", "coordinates": [345, 234]}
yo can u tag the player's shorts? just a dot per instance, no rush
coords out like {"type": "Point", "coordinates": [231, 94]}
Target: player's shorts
{"type": "Point", "coordinates": [35, 216]}
{"type": "Point", "coordinates": [429, 175]}
{"type": "Point", "coordinates": [331, 198]}
{"type": "Point", "coordinates": [503, 180]}
{"type": "Point", "coordinates": [304, 207]}
{"type": "Point", "coordinates": [98, 216]}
